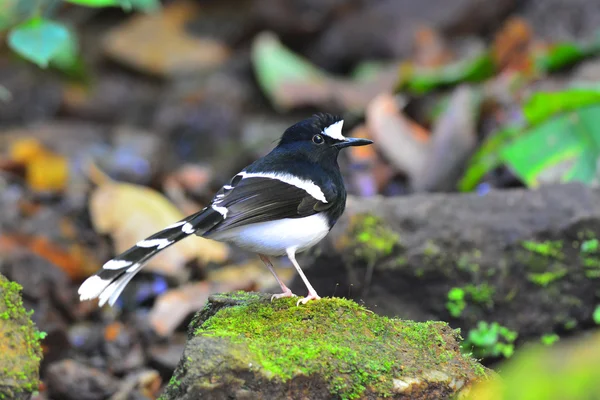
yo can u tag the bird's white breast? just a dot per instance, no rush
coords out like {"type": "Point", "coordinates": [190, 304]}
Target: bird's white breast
{"type": "Point", "coordinates": [274, 237]}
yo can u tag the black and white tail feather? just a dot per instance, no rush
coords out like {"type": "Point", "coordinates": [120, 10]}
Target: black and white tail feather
{"type": "Point", "coordinates": [108, 283]}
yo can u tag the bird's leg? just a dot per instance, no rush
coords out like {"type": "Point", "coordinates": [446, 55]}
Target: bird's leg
{"type": "Point", "coordinates": [286, 290]}
{"type": "Point", "coordinates": [312, 294]}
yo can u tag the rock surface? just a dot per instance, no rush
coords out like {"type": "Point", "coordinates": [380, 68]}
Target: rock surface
{"type": "Point", "coordinates": [243, 346]}
{"type": "Point", "coordinates": [70, 380]}
{"type": "Point", "coordinates": [527, 259]}
{"type": "Point", "coordinates": [20, 351]}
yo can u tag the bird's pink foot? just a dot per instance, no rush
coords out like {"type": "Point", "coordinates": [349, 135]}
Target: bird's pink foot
{"type": "Point", "coordinates": [286, 293]}
{"type": "Point", "coordinates": [311, 296]}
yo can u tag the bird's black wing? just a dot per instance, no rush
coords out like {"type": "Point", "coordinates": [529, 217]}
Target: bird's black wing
{"type": "Point", "coordinates": [253, 199]}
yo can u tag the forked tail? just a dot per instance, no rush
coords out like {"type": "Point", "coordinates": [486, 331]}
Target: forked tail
{"type": "Point", "coordinates": [108, 283]}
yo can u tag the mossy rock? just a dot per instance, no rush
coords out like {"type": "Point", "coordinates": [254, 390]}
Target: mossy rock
{"type": "Point", "coordinates": [242, 345]}
{"type": "Point", "coordinates": [20, 351]}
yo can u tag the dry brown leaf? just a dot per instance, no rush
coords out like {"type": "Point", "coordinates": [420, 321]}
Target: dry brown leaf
{"type": "Point", "coordinates": [403, 142]}
{"type": "Point", "coordinates": [159, 44]}
{"type": "Point", "coordinates": [373, 173]}
{"type": "Point", "coordinates": [512, 46]}
{"type": "Point", "coordinates": [77, 262]}
{"type": "Point", "coordinates": [26, 149]}
{"type": "Point", "coordinates": [190, 177]}
{"type": "Point", "coordinates": [130, 213]}
{"type": "Point", "coordinates": [45, 171]}
{"type": "Point", "coordinates": [430, 49]}
{"type": "Point", "coordinates": [291, 81]}
{"type": "Point", "coordinates": [251, 274]}
{"type": "Point", "coordinates": [362, 154]}
{"type": "Point", "coordinates": [173, 306]}
{"type": "Point", "coordinates": [453, 140]}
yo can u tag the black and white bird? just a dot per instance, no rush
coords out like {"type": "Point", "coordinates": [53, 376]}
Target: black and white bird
{"type": "Point", "coordinates": [281, 204]}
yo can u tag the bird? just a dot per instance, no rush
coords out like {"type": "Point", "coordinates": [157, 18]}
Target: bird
{"type": "Point", "coordinates": [279, 205]}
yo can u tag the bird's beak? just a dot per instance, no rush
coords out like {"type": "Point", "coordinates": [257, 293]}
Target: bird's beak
{"type": "Point", "coordinates": [353, 142]}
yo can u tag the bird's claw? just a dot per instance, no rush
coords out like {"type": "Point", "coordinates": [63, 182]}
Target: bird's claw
{"type": "Point", "coordinates": [287, 293]}
{"type": "Point", "coordinates": [311, 296]}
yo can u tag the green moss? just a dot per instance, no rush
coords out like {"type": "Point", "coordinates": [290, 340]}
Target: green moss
{"type": "Point", "coordinates": [549, 339]}
{"type": "Point", "coordinates": [570, 324]}
{"type": "Point", "coordinates": [548, 248]}
{"type": "Point", "coordinates": [590, 258]}
{"type": "Point", "coordinates": [482, 293]}
{"type": "Point", "coordinates": [371, 238]}
{"type": "Point", "coordinates": [590, 246]}
{"type": "Point", "coordinates": [596, 315]}
{"type": "Point", "coordinates": [458, 297]}
{"type": "Point", "coordinates": [431, 249]}
{"type": "Point", "coordinates": [333, 337]}
{"type": "Point", "coordinates": [174, 381]}
{"type": "Point", "coordinates": [18, 336]}
{"type": "Point", "coordinates": [546, 278]}
{"type": "Point", "coordinates": [456, 302]}
{"type": "Point", "coordinates": [401, 261]}
{"type": "Point", "coordinates": [490, 340]}
{"type": "Point", "coordinates": [467, 261]}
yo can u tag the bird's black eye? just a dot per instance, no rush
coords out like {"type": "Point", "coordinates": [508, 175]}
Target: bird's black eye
{"type": "Point", "coordinates": [318, 139]}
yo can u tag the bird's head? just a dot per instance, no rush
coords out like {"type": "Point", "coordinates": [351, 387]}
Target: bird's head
{"type": "Point", "coordinates": [318, 137]}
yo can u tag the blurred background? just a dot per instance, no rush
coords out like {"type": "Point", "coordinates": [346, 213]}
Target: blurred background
{"type": "Point", "coordinates": [119, 117]}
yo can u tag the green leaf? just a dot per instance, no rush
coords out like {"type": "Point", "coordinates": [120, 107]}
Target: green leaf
{"type": "Point", "coordinates": [69, 61]}
{"type": "Point", "coordinates": [487, 157]}
{"type": "Point", "coordinates": [368, 70]}
{"type": "Point", "coordinates": [485, 335]}
{"type": "Point", "coordinates": [96, 3]}
{"type": "Point", "coordinates": [127, 5]}
{"type": "Point", "coordinates": [474, 69]}
{"type": "Point", "coordinates": [549, 339]}
{"type": "Point", "coordinates": [456, 294]}
{"type": "Point", "coordinates": [275, 65]}
{"type": "Point", "coordinates": [596, 315]}
{"type": "Point", "coordinates": [542, 105]}
{"type": "Point", "coordinates": [39, 40]}
{"type": "Point", "coordinates": [565, 54]}
{"type": "Point", "coordinates": [552, 136]}
{"type": "Point", "coordinates": [142, 5]}
{"type": "Point", "coordinates": [569, 142]}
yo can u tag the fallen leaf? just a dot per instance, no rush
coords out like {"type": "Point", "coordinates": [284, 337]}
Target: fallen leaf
{"type": "Point", "coordinates": [159, 44]}
{"type": "Point", "coordinates": [403, 142]}
{"type": "Point", "coordinates": [24, 150]}
{"type": "Point", "coordinates": [45, 171]}
{"type": "Point", "coordinates": [130, 213]}
{"type": "Point", "coordinates": [371, 173]}
{"type": "Point", "coordinates": [251, 274]}
{"type": "Point", "coordinates": [556, 141]}
{"type": "Point", "coordinates": [48, 173]}
{"type": "Point", "coordinates": [290, 81]}
{"type": "Point", "coordinates": [173, 306]}
{"type": "Point", "coordinates": [190, 178]}
{"type": "Point", "coordinates": [430, 49]}
{"type": "Point", "coordinates": [560, 149]}
{"type": "Point", "coordinates": [453, 139]}
{"type": "Point", "coordinates": [512, 46]}
{"type": "Point", "coordinates": [112, 331]}
{"type": "Point", "coordinates": [77, 262]}
{"type": "Point", "coordinates": [560, 55]}
{"type": "Point", "coordinates": [475, 68]}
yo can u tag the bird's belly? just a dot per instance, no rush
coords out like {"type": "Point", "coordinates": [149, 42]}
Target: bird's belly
{"type": "Point", "coordinates": [274, 237]}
